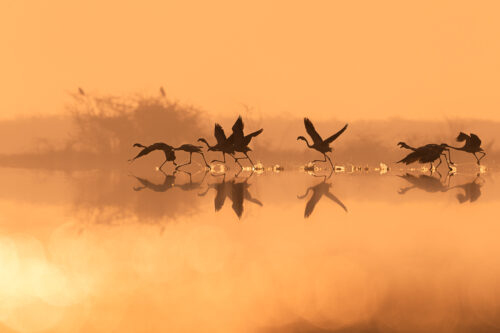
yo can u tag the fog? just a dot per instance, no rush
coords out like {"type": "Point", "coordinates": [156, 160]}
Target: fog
{"type": "Point", "coordinates": [99, 131]}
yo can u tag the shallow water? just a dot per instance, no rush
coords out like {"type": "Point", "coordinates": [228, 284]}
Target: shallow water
{"type": "Point", "coordinates": [106, 251]}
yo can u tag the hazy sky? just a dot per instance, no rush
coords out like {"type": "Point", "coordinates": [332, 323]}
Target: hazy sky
{"type": "Point", "coordinates": [343, 59]}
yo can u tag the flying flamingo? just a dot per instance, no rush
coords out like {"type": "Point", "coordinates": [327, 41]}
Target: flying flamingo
{"type": "Point", "coordinates": [426, 154]}
{"type": "Point", "coordinates": [472, 145]}
{"type": "Point", "coordinates": [224, 144]}
{"type": "Point", "coordinates": [167, 150]}
{"type": "Point", "coordinates": [189, 148]}
{"type": "Point", "coordinates": [323, 146]}
{"type": "Point", "coordinates": [241, 141]}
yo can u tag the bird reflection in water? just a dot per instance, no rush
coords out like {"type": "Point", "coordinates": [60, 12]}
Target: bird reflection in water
{"type": "Point", "coordinates": [168, 183]}
{"type": "Point", "coordinates": [237, 192]}
{"type": "Point", "coordinates": [192, 185]}
{"type": "Point", "coordinates": [319, 190]}
{"type": "Point", "coordinates": [432, 184]}
{"type": "Point", "coordinates": [472, 190]}
{"type": "Point", "coordinates": [426, 183]}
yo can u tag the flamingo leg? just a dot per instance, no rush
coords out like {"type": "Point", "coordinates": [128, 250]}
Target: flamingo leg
{"type": "Point", "coordinates": [204, 160]}
{"type": "Point", "coordinates": [447, 162]}
{"type": "Point", "coordinates": [323, 160]}
{"type": "Point", "coordinates": [484, 154]}
{"type": "Point", "coordinates": [329, 160]}
{"type": "Point", "coordinates": [440, 161]}
{"type": "Point", "coordinates": [190, 157]}
{"type": "Point", "coordinates": [236, 160]}
{"type": "Point", "coordinates": [223, 155]}
{"type": "Point", "coordinates": [163, 164]}
{"type": "Point", "coordinates": [449, 157]}
{"type": "Point", "coordinates": [248, 157]}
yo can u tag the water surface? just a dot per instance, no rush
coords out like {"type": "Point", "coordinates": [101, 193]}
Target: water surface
{"type": "Point", "coordinates": [123, 251]}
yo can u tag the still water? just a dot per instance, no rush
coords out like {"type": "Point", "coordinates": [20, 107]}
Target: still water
{"type": "Point", "coordinates": [122, 251]}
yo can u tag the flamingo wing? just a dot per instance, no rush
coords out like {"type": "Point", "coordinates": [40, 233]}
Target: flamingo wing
{"type": "Point", "coordinates": [462, 137]}
{"type": "Point", "coordinates": [238, 135]}
{"type": "Point", "coordinates": [475, 140]}
{"type": "Point", "coordinates": [219, 134]}
{"type": "Point", "coordinates": [312, 131]}
{"type": "Point", "coordinates": [336, 135]}
{"type": "Point", "coordinates": [411, 157]}
{"type": "Point", "coordinates": [249, 137]}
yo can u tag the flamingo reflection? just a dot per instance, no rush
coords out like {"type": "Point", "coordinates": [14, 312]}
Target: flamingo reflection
{"type": "Point", "coordinates": [319, 190]}
{"type": "Point", "coordinates": [431, 184]}
{"type": "Point", "coordinates": [237, 192]}
{"type": "Point", "coordinates": [427, 183]}
{"type": "Point", "coordinates": [168, 183]}
{"type": "Point", "coordinates": [472, 190]}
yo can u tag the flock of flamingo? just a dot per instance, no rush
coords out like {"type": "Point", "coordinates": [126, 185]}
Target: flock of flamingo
{"type": "Point", "coordinates": [238, 142]}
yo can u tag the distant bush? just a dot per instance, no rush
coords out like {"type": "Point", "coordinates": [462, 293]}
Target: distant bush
{"type": "Point", "coordinates": [111, 124]}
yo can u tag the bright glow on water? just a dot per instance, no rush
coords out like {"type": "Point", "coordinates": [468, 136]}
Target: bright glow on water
{"type": "Point", "coordinates": [269, 252]}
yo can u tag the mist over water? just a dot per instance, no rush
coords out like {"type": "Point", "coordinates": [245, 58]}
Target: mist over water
{"type": "Point", "coordinates": [91, 243]}
{"type": "Point", "coordinates": [98, 133]}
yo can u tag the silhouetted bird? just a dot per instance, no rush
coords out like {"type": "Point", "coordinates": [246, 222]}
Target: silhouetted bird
{"type": "Point", "coordinates": [167, 184]}
{"type": "Point", "coordinates": [472, 145]}
{"type": "Point", "coordinates": [224, 144]}
{"type": "Point", "coordinates": [319, 190]}
{"type": "Point", "coordinates": [162, 92]}
{"type": "Point", "coordinates": [80, 90]}
{"type": "Point", "coordinates": [323, 146]}
{"type": "Point", "coordinates": [191, 149]}
{"type": "Point", "coordinates": [241, 141]}
{"type": "Point", "coordinates": [167, 150]}
{"type": "Point", "coordinates": [425, 154]}
{"type": "Point", "coordinates": [424, 182]}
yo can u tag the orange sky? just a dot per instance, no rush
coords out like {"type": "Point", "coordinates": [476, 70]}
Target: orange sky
{"type": "Point", "coordinates": [344, 59]}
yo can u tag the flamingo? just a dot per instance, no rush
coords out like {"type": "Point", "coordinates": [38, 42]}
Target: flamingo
{"type": "Point", "coordinates": [189, 148]}
{"type": "Point", "coordinates": [167, 150]}
{"type": "Point", "coordinates": [224, 144]}
{"type": "Point", "coordinates": [323, 146]}
{"type": "Point", "coordinates": [472, 145]}
{"type": "Point", "coordinates": [426, 154]}
{"type": "Point", "coordinates": [241, 141]}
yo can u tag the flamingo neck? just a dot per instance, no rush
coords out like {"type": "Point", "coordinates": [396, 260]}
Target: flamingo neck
{"type": "Point", "coordinates": [205, 142]}
{"type": "Point", "coordinates": [307, 142]}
